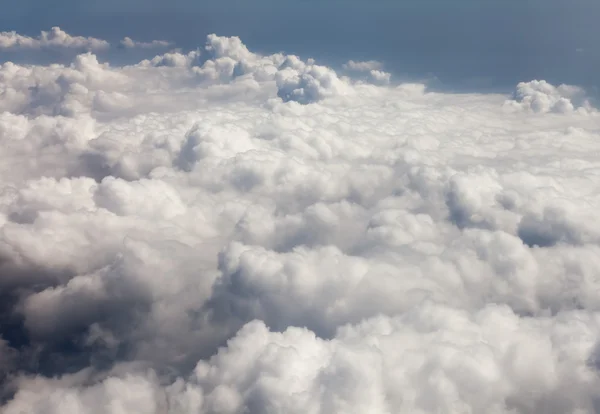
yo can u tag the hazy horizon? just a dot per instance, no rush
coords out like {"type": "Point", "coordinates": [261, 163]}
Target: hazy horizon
{"type": "Point", "coordinates": [465, 44]}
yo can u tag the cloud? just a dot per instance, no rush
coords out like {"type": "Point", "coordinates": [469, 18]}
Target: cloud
{"type": "Point", "coordinates": [380, 76]}
{"type": "Point", "coordinates": [540, 96]}
{"type": "Point", "coordinates": [372, 67]}
{"type": "Point", "coordinates": [366, 66]}
{"type": "Point", "coordinates": [433, 358]}
{"type": "Point", "coordinates": [55, 38]}
{"type": "Point", "coordinates": [220, 231]}
{"type": "Point", "coordinates": [129, 43]}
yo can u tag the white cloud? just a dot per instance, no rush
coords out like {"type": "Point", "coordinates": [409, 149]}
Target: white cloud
{"type": "Point", "coordinates": [129, 43]}
{"type": "Point", "coordinates": [306, 83]}
{"type": "Point", "coordinates": [380, 76]}
{"type": "Point", "coordinates": [365, 66]}
{"type": "Point", "coordinates": [431, 359]}
{"type": "Point", "coordinates": [540, 96]}
{"type": "Point", "coordinates": [372, 68]}
{"type": "Point", "coordinates": [55, 38]}
{"type": "Point", "coordinates": [362, 247]}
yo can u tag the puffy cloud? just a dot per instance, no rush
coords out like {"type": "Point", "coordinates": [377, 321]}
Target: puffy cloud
{"type": "Point", "coordinates": [431, 359]}
{"type": "Point", "coordinates": [372, 67]}
{"type": "Point", "coordinates": [220, 231]}
{"type": "Point", "coordinates": [540, 96]}
{"type": "Point", "coordinates": [55, 38]}
{"type": "Point", "coordinates": [380, 76]}
{"type": "Point", "coordinates": [306, 83]}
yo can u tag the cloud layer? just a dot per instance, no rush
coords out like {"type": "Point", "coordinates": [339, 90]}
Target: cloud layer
{"type": "Point", "coordinates": [218, 231]}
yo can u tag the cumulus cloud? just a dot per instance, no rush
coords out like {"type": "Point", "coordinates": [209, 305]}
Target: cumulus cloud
{"type": "Point", "coordinates": [220, 231]}
{"type": "Point", "coordinates": [55, 38]}
{"type": "Point", "coordinates": [372, 68]}
{"type": "Point", "coordinates": [540, 97]}
{"type": "Point", "coordinates": [431, 359]}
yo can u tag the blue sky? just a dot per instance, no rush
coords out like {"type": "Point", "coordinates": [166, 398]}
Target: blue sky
{"type": "Point", "coordinates": [463, 43]}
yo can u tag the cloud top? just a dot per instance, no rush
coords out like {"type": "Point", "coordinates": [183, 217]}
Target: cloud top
{"type": "Point", "coordinates": [223, 231]}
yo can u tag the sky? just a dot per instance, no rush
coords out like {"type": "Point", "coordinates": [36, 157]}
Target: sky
{"type": "Point", "coordinates": [462, 44]}
{"type": "Point", "coordinates": [299, 207]}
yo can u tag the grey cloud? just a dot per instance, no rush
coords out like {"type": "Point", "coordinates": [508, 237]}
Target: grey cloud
{"type": "Point", "coordinates": [129, 43]}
